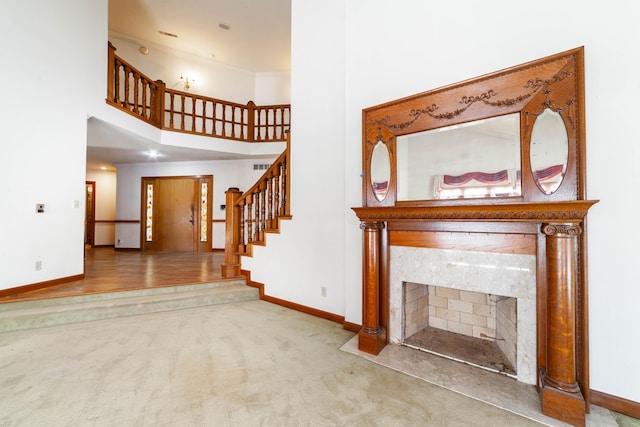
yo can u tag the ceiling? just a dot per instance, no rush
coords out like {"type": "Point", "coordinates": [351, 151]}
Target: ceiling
{"type": "Point", "coordinates": [256, 34]}
{"type": "Point", "coordinates": [256, 37]}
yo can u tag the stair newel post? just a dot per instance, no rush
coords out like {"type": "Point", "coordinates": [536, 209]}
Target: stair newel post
{"type": "Point", "coordinates": [112, 74]}
{"type": "Point", "coordinates": [373, 336]}
{"type": "Point", "coordinates": [157, 103]}
{"type": "Point", "coordinates": [231, 266]}
{"type": "Point", "coordinates": [560, 393]}
{"type": "Point", "coordinates": [251, 111]}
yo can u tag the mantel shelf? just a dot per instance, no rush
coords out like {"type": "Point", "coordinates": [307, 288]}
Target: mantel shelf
{"type": "Point", "coordinates": [564, 211]}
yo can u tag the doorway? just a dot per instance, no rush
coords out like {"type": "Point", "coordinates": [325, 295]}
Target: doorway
{"type": "Point", "coordinates": [176, 213]}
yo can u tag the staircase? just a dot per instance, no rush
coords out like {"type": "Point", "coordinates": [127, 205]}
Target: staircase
{"type": "Point", "coordinates": [34, 314]}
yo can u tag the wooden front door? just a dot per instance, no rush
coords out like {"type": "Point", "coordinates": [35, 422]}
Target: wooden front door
{"type": "Point", "coordinates": [176, 213]}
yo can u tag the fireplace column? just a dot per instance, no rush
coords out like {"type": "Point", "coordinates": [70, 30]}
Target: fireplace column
{"type": "Point", "coordinates": [559, 391]}
{"type": "Point", "coordinates": [372, 337]}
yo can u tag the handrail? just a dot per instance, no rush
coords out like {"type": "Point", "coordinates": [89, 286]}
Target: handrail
{"type": "Point", "coordinates": [255, 212]}
{"type": "Point", "coordinates": [129, 90]}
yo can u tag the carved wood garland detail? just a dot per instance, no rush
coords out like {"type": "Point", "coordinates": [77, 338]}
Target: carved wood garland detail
{"type": "Point", "coordinates": [557, 219]}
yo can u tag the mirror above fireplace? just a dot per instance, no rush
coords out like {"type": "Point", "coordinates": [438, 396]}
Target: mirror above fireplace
{"type": "Point", "coordinates": [512, 136]}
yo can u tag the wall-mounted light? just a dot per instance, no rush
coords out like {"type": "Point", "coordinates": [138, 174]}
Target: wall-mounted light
{"type": "Point", "coordinates": [186, 81]}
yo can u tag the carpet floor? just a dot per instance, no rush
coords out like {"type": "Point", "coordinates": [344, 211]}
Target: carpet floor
{"type": "Point", "coordinates": [241, 364]}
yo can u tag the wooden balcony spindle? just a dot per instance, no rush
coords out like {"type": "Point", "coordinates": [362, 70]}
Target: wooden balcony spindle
{"type": "Point", "coordinates": [256, 200]}
{"type": "Point", "coordinates": [193, 114]}
{"type": "Point", "coordinates": [270, 223]}
{"type": "Point", "coordinates": [276, 195]}
{"type": "Point", "coordinates": [284, 208]}
{"type": "Point", "coordinates": [126, 87]}
{"type": "Point", "coordinates": [263, 213]}
{"type": "Point", "coordinates": [182, 105]}
{"type": "Point", "coordinates": [171, 109]}
{"type": "Point", "coordinates": [134, 93]}
{"type": "Point", "coordinates": [242, 248]}
{"type": "Point", "coordinates": [250, 217]}
{"type": "Point", "coordinates": [204, 116]}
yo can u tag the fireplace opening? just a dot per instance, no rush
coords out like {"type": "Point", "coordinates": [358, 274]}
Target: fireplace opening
{"type": "Point", "coordinates": [470, 327]}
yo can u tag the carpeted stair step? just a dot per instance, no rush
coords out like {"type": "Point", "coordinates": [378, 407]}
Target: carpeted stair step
{"type": "Point", "coordinates": [84, 308]}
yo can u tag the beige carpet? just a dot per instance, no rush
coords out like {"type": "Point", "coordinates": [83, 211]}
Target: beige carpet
{"type": "Point", "coordinates": [240, 364]}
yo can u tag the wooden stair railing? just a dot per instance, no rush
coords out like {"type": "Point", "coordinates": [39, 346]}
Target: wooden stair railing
{"type": "Point", "coordinates": [131, 91]}
{"type": "Point", "coordinates": [256, 212]}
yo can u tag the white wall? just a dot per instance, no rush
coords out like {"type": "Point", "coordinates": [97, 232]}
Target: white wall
{"type": "Point", "coordinates": [105, 200]}
{"type": "Point", "coordinates": [308, 254]}
{"type": "Point", "coordinates": [273, 88]}
{"type": "Point", "coordinates": [377, 51]}
{"type": "Point", "coordinates": [227, 173]}
{"type": "Point", "coordinates": [54, 76]}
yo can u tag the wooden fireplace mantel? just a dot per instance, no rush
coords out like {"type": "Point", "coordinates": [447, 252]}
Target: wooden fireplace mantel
{"type": "Point", "coordinates": [558, 227]}
{"type": "Point", "coordinates": [569, 211]}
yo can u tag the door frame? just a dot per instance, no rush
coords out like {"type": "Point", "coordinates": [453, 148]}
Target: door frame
{"type": "Point", "coordinates": [90, 224]}
{"type": "Point", "coordinates": [198, 244]}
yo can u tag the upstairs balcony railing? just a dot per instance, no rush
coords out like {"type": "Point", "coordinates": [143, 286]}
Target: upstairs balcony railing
{"type": "Point", "coordinates": [131, 91]}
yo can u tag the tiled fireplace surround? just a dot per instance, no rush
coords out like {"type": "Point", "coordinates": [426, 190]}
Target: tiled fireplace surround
{"type": "Point", "coordinates": [509, 275]}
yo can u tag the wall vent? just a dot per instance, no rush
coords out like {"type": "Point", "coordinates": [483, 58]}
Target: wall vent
{"type": "Point", "coordinates": [261, 166]}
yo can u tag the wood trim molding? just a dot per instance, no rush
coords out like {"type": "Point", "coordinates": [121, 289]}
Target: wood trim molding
{"type": "Point", "coordinates": [40, 285]}
{"type": "Point", "coordinates": [502, 243]}
{"type": "Point", "coordinates": [126, 221]}
{"type": "Point", "coordinates": [615, 403]}
{"type": "Point", "coordinates": [288, 304]}
{"type": "Point", "coordinates": [351, 327]}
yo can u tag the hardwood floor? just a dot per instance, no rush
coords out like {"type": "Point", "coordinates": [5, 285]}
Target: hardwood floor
{"type": "Point", "coordinates": [108, 270]}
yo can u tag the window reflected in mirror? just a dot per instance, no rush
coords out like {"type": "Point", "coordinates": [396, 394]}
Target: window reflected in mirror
{"type": "Point", "coordinates": [549, 151]}
{"type": "Point", "coordinates": [476, 159]}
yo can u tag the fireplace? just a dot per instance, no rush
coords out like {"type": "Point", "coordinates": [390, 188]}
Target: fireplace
{"type": "Point", "coordinates": [528, 201]}
{"type": "Point", "coordinates": [465, 305]}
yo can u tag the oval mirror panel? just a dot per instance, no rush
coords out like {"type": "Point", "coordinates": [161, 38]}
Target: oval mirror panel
{"type": "Point", "coordinates": [549, 151]}
{"type": "Point", "coordinates": [380, 170]}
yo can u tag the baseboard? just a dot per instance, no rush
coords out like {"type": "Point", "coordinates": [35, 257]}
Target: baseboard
{"type": "Point", "coordinates": [40, 285]}
{"type": "Point", "coordinates": [615, 403]}
{"type": "Point", "coordinates": [128, 249]}
{"type": "Point", "coordinates": [351, 327]}
{"type": "Point", "coordinates": [103, 246]}
{"type": "Point", "coordinates": [288, 304]}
